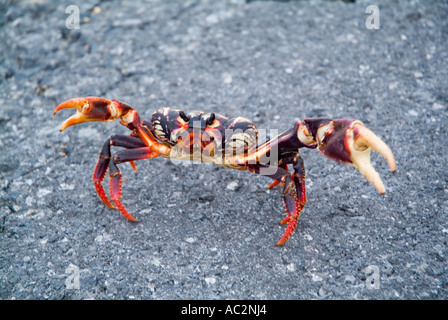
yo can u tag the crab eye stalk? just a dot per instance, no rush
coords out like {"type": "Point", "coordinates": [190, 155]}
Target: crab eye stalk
{"type": "Point", "coordinates": [184, 116]}
{"type": "Point", "coordinates": [210, 119]}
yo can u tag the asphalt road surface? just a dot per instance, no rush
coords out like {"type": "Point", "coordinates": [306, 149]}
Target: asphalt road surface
{"type": "Point", "coordinates": [207, 232]}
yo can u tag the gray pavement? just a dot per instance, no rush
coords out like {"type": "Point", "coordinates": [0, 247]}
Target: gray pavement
{"type": "Point", "coordinates": [207, 232]}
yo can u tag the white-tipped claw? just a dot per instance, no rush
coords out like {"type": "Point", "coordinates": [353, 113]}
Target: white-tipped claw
{"type": "Point", "coordinates": [361, 142]}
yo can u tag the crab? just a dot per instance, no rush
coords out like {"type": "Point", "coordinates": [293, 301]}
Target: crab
{"type": "Point", "coordinates": [226, 142]}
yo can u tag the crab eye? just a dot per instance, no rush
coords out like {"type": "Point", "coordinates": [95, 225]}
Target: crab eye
{"type": "Point", "coordinates": [184, 116]}
{"type": "Point", "coordinates": [210, 119]}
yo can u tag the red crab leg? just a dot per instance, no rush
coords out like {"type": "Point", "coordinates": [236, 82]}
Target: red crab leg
{"type": "Point", "coordinates": [116, 178]}
{"type": "Point", "coordinates": [294, 195]}
{"type": "Point", "coordinates": [99, 109]}
{"type": "Point", "coordinates": [100, 172]}
{"type": "Point", "coordinates": [277, 181]}
{"type": "Point", "coordinates": [294, 198]}
{"type": "Point", "coordinates": [115, 191]}
{"type": "Point", "coordinates": [104, 158]}
{"type": "Point", "coordinates": [132, 163]}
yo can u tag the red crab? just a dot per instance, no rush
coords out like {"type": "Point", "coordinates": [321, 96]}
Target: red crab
{"type": "Point", "coordinates": [227, 142]}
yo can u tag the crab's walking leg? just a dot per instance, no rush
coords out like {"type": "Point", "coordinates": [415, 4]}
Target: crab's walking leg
{"type": "Point", "coordinates": [141, 144]}
{"type": "Point", "coordinates": [116, 178]}
{"type": "Point", "coordinates": [278, 181]}
{"type": "Point", "coordinates": [104, 158]}
{"type": "Point", "coordinates": [294, 197]}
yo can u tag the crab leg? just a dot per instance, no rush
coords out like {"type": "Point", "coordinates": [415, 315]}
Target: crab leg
{"type": "Point", "coordinates": [141, 143]}
{"type": "Point", "coordinates": [294, 198]}
{"type": "Point", "coordinates": [100, 172]}
{"type": "Point", "coordinates": [294, 195]}
{"type": "Point", "coordinates": [278, 181]}
{"type": "Point", "coordinates": [346, 141]}
{"type": "Point", "coordinates": [116, 178]}
{"type": "Point", "coordinates": [104, 159]}
{"type": "Point", "coordinates": [136, 150]}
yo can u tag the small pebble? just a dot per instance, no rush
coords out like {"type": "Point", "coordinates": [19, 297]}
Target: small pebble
{"type": "Point", "coordinates": [232, 185]}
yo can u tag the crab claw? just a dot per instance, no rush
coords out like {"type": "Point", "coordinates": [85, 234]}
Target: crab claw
{"type": "Point", "coordinates": [348, 141]}
{"type": "Point", "coordinates": [92, 109]}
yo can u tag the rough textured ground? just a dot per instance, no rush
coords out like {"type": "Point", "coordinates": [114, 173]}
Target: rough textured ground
{"type": "Point", "coordinates": [206, 232]}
